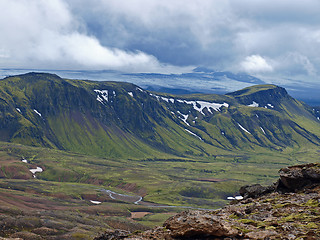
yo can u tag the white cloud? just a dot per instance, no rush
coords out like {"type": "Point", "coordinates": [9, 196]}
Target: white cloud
{"type": "Point", "coordinates": [45, 34]}
{"type": "Point", "coordinates": [142, 35]}
{"type": "Point", "coordinates": [296, 64]}
{"type": "Point", "coordinates": [255, 64]}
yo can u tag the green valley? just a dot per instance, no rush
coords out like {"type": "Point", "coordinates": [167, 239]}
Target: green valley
{"type": "Point", "coordinates": [115, 142]}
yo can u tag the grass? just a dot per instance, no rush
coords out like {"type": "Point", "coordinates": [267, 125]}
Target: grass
{"type": "Point", "coordinates": [60, 195]}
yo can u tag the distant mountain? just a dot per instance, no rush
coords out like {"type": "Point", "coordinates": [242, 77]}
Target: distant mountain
{"type": "Point", "coordinates": [198, 80]}
{"type": "Point", "coordinates": [119, 119]}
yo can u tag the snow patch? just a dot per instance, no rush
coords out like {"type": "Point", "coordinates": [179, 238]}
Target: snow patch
{"type": "Point", "coordinates": [254, 104]}
{"type": "Point", "coordinates": [165, 99]}
{"type": "Point", "coordinates": [139, 89]}
{"type": "Point", "coordinates": [34, 171]}
{"type": "Point", "coordinates": [192, 133]}
{"type": "Point", "coordinates": [168, 99]}
{"type": "Point", "coordinates": [18, 109]}
{"type": "Point", "coordinates": [243, 128]}
{"type": "Point", "coordinates": [99, 99]}
{"type": "Point", "coordinates": [201, 105]}
{"type": "Point", "coordinates": [102, 95]}
{"type": "Point", "coordinates": [235, 198]}
{"type": "Point", "coordinates": [318, 118]}
{"type": "Point", "coordinates": [95, 202]}
{"type": "Point", "coordinates": [38, 169]}
{"type": "Point", "coordinates": [37, 112]}
{"type": "Point", "coordinates": [156, 96]}
{"type": "Point", "coordinates": [262, 130]}
{"type": "Point", "coordinates": [131, 94]}
{"type": "Point", "coordinates": [184, 118]}
{"type": "Point", "coordinates": [24, 160]}
{"type": "Point", "coordinates": [270, 105]}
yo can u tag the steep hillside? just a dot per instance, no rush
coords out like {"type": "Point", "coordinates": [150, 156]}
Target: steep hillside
{"type": "Point", "coordinates": [122, 120]}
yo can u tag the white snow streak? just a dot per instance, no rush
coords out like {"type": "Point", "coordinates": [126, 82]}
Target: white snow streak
{"type": "Point", "coordinates": [262, 130]}
{"type": "Point", "coordinates": [95, 202]}
{"type": "Point", "coordinates": [139, 89]}
{"type": "Point", "coordinates": [184, 118]}
{"type": "Point", "coordinates": [18, 109]}
{"type": "Point", "coordinates": [243, 128]}
{"type": "Point", "coordinates": [131, 94]}
{"type": "Point", "coordinates": [37, 112]}
{"type": "Point", "coordinates": [192, 133]}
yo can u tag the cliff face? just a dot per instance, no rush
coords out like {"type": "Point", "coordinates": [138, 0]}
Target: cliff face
{"type": "Point", "coordinates": [290, 209]}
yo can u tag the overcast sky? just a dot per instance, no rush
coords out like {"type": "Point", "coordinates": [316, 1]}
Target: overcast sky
{"type": "Point", "coordinates": [260, 37]}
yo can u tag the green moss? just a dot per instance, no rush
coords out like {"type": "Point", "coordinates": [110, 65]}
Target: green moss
{"type": "Point", "coordinates": [312, 203]}
{"type": "Point", "coordinates": [242, 230]}
{"type": "Point", "coordinates": [312, 225]}
{"type": "Point", "coordinates": [270, 228]}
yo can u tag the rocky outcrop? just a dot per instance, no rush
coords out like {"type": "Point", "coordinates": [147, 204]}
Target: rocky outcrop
{"type": "Point", "coordinates": [296, 177]}
{"type": "Point", "coordinates": [265, 213]}
{"type": "Point", "coordinates": [291, 179]}
{"type": "Point", "coordinates": [199, 224]}
{"type": "Point", "coordinates": [256, 190]}
{"type": "Point", "coordinates": [113, 235]}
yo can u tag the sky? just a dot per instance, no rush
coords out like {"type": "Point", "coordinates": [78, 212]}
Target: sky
{"type": "Point", "coordinates": [272, 39]}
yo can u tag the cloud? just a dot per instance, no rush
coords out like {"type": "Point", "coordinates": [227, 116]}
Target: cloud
{"type": "Point", "coordinates": [296, 64]}
{"type": "Point", "coordinates": [45, 34]}
{"type": "Point", "coordinates": [162, 36]}
{"type": "Point", "coordinates": [255, 64]}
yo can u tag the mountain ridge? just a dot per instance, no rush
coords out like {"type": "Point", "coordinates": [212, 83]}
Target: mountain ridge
{"type": "Point", "coordinates": [123, 120]}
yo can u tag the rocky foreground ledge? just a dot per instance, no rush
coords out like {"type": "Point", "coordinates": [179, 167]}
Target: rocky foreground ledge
{"type": "Point", "coordinates": [289, 209]}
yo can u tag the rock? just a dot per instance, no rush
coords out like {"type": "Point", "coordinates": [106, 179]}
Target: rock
{"type": "Point", "coordinates": [199, 224]}
{"type": "Point", "coordinates": [254, 191]}
{"type": "Point", "coordinates": [261, 234]}
{"type": "Point", "coordinates": [26, 235]}
{"type": "Point", "coordinates": [296, 177]}
{"type": "Point", "coordinates": [1, 238]}
{"type": "Point", "coordinates": [44, 231]}
{"type": "Point", "coordinates": [113, 235]}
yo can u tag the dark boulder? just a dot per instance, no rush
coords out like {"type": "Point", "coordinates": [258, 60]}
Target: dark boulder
{"type": "Point", "coordinates": [297, 177]}
{"type": "Point", "coordinates": [254, 191]}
